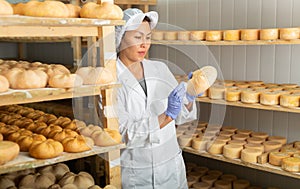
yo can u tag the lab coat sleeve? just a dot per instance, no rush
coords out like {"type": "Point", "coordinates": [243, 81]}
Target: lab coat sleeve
{"type": "Point", "coordinates": [137, 133]}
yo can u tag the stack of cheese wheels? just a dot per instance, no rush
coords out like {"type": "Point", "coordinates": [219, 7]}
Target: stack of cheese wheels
{"type": "Point", "coordinates": [244, 131]}
{"type": "Point", "coordinates": [290, 100]}
{"type": "Point", "coordinates": [289, 33]}
{"type": "Point", "coordinates": [242, 137]}
{"type": "Point", "coordinates": [157, 35]}
{"type": "Point", "coordinates": [237, 142]}
{"type": "Point", "coordinates": [269, 34]}
{"type": "Point", "coordinates": [197, 35]}
{"type": "Point", "coordinates": [262, 135]}
{"type": "Point", "coordinates": [259, 147]}
{"type": "Point", "coordinates": [215, 35]}
{"type": "Point", "coordinates": [199, 143]}
{"type": "Point", "coordinates": [223, 184]}
{"type": "Point", "coordinates": [249, 34]}
{"type": "Point", "coordinates": [275, 158]}
{"type": "Point", "coordinates": [291, 164]}
{"type": "Point", "coordinates": [209, 179]}
{"type": "Point", "coordinates": [231, 35]}
{"type": "Point", "coordinates": [280, 139]}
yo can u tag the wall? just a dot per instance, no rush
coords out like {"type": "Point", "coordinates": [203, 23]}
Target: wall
{"type": "Point", "coordinates": [273, 63]}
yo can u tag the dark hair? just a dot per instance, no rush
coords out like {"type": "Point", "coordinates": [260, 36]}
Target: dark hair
{"type": "Point", "coordinates": [147, 19]}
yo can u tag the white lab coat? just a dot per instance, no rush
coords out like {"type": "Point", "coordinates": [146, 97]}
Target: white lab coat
{"type": "Point", "coordinates": [152, 158]}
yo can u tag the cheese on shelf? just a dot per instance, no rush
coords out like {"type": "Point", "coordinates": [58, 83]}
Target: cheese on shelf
{"type": "Point", "coordinates": [255, 140]}
{"type": "Point", "coordinates": [233, 95]}
{"type": "Point", "coordinates": [275, 158]}
{"type": "Point", "coordinates": [239, 137]}
{"type": "Point", "coordinates": [201, 185]}
{"type": "Point", "coordinates": [291, 164]}
{"type": "Point", "coordinates": [216, 92]}
{"type": "Point", "coordinates": [197, 35]}
{"type": "Point", "coordinates": [183, 35]}
{"type": "Point", "coordinates": [250, 96]}
{"type": "Point", "coordinates": [185, 141]}
{"type": "Point", "coordinates": [215, 147]}
{"type": "Point", "coordinates": [229, 128]}
{"type": "Point", "coordinates": [222, 184]}
{"type": "Point", "coordinates": [199, 144]}
{"type": "Point", "coordinates": [280, 139]}
{"type": "Point", "coordinates": [244, 131]}
{"type": "Point", "coordinates": [271, 145]}
{"type": "Point", "coordinates": [232, 151]}
{"type": "Point", "coordinates": [250, 155]}
{"type": "Point", "coordinates": [170, 35]}
{"type": "Point", "coordinates": [290, 100]}
{"type": "Point", "coordinates": [249, 34]}
{"type": "Point", "coordinates": [289, 33]}
{"type": "Point", "coordinates": [269, 34]}
{"type": "Point", "coordinates": [213, 35]}
{"type": "Point", "coordinates": [231, 35]}
{"type": "Point", "coordinates": [241, 184]}
{"type": "Point", "coordinates": [157, 35]}
{"type": "Point", "coordinates": [260, 135]}
{"type": "Point", "coordinates": [254, 146]}
{"type": "Point", "coordinates": [269, 98]}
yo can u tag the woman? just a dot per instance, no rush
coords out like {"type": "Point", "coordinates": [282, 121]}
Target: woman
{"type": "Point", "coordinates": [150, 101]}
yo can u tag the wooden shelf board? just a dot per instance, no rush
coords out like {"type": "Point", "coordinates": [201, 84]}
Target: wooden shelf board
{"type": "Point", "coordinates": [35, 40]}
{"type": "Point", "coordinates": [24, 161]}
{"type": "Point", "coordinates": [17, 20]}
{"type": "Point", "coordinates": [263, 167]}
{"type": "Point", "coordinates": [48, 94]}
{"type": "Point", "coordinates": [257, 42]}
{"type": "Point", "coordinates": [245, 105]}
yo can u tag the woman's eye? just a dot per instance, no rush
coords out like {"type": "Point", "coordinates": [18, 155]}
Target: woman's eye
{"type": "Point", "coordinates": [148, 38]}
{"type": "Point", "coordinates": [138, 37]}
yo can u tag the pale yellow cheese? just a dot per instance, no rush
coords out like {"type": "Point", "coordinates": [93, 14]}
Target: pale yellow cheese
{"type": "Point", "coordinates": [239, 137]}
{"type": "Point", "coordinates": [289, 33]}
{"type": "Point", "coordinates": [157, 35]}
{"type": "Point", "coordinates": [199, 144]}
{"type": "Point", "coordinates": [290, 151]}
{"type": "Point", "coordinates": [185, 141]}
{"type": "Point", "coordinates": [232, 151]}
{"type": "Point", "coordinates": [183, 35]}
{"type": "Point", "coordinates": [289, 85]}
{"type": "Point", "coordinates": [250, 155]}
{"type": "Point", "coordinates": [289, 100]}
{"type": "Point", "coordinates": [215, 147]}
{"type": "Point", "coordinates": [231, 35]}
{"type": "Point", "coordinates": [250, 96]}
{"type": "Point", "coordinates": [237, 142]}
{"type": "Point", "coordinates": [256, 82]}
{"type": "Point", "coordinates": [229, 128]}
{"type": "Point", "coordinates": [241, 184]}
{"type": "Point", "coordinates": [297, 144]}
{"type": "Point", "coordinates": [269, 98]}
{"type": "Point", "coordinates": [275, 158]}
{"type": "Point", "coordinates": [271, 145]}
{"type": "Point", "coordinates": [197, 35]}
{"type": "Point", "coordinates": [170, 35]}
{"type": "Point", "coordinates": [222, 184]}
{"type": "Point", "coordinates": [216, 92]}
{"type": "Point", "coordinates": [269, 34]}
{"type": "Point", "coordinates": [291, 164]}
{"type": "Point", "coordinates": [223, 138]}
{"type": "Point", "coordinates": [226, 133]}
{"type": "Point", "coordinates": [260, 135]}
{"type": "Point", "coordinates": [249, 34]}
{"type": "Point", "coordinates": [213, 35]}
{"type": "Point", "coordinates": [242, 85]}
{"type": "Point", "coordinates": [280, 139]}
{"type": "Point", "coordinates": [254, 146]}
{"type": "Point", "coordinates": [244, 131]}
{"type": "Point", "coordinates": [233, 95]}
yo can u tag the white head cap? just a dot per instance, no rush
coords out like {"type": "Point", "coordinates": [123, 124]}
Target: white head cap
{"type": "Point", "coordinates": [134, 17]}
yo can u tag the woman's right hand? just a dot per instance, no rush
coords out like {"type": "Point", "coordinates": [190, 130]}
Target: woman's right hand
{"type": "Point", "coordinates": [175, 101]}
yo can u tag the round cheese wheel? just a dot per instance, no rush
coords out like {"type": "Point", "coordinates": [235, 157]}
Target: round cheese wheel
{"type": "Point", "coordinates": [201, 185]}
{"type": "Point", "coordinates": [183, 35]}
{"type": "Point", "coordinates": [289, 33]}
{"type": "Point", "coordinates": [250, 155]}
{"type": "Point", "coordinates": [250, 96]}
{"type": "Point", "coordinates": [231, 35]}
{"type": "Point", "coordinates": [200, 169]}
{"type": "Point", "coordinates": [254, 146]}
{"type": "Point", "coordinates": [269, 34]}
{"type": "Point", "coordinates": [229, 83]}
{"type": "Point", "coordinates": [196, 175]}
{"type": "Point", "coordinates": [229, 128]}
{"type": "Point", "coordinates": [216, 92]}
{"type": "Point", "coordinates": [241, 184]}
{"type": "Point", "coordinates": [8, 151]}
{"type": "Point", "coordinates": [222, 184]}
{"type": "Point", "coordinates": [260, 135]}
{"type": "Point", "coordinates": [290, 151]}
{"type": "Point", "coordinates": [190, 133]}
{"type": "Point", "coordinates": [215, 172]}
{"type": "Point", "coordinates": [228, 177]}
{"type": "Point", "coordinates": [291, 164]}
{"type": "Point", "coordinates": [280, 139]}
{"type": "Point", "coordinates": [215, 147]}
{"type": "Point", "coordinates": [170, 35]}
{"type": "Point", "coordinates": [242, 85]}
{"type": "Point", "coordinates": [226, 133]}
{"type": "Point", "coordinates": [4, 84]}
{"type": "Point", "coordinates": [197, 35]}
{"type": "Point", "coordinates": [200, 81]}
{"type": "Point", "coordinates": [271, 145]}
{"type": "Point", "coordinates": [213, 35]}
{"type": "Point", "coordinates": [239, 136]}
{"type": "Point", "coordinates": [223, 138]}
{"type": "Point", "coordinates": [289, 85]}
{"type": "Point", "coordinates": [275, 158]}
{"type": "Point", "coordinates": [233, 95]}
{"type": "Point", "coordinates": [232, 151]}
{"type": "Point", "coordinates": [191, 180]}
{"type": "Point", "coordinates": [290, 100]}
{"type": "Point", "coordinates": [199, 144]}
{"type": "Point", "coordinates": [157, 35]}
{"type": "Point", "coordinates": [237, 142]}
{"type": "Point", "coordinates": [249, 34]}
{"type": "Point", "coordinates": [257, 87]}
{"type": "Point", "coordinates": [185, 141]}
{"type": "Point", "coordinates": [269, 98]}
{"type": "Point", "coordinates": [244, 131]}
{"type": "Point", "coordinates": [297, 144]}
{"type": "Point", "coordinates": [209, 179]}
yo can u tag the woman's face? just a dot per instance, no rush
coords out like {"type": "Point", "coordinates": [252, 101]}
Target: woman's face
{"type": "Point", "coordinates": [136, 43]}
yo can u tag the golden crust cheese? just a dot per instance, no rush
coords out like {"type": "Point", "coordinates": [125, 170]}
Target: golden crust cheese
{"type": "Point", "coordinates": [289, 33]}
{"type": "Point", "coordinates": [250, 96]}
{"type": "Point", "coordinates": [213, 35]}
{"type": "Point", "coordinates": [231, 35]}
{"type": "Point", "coordinates": [271, 145]}
{"type": "Point", "coordinates": [290, 100]}
{"type": "Point", "coordinates": [250, 155]}
{"type": "Point", "coordinates": [269, 34]}
{"type": "Point", "coordinates": [197, 35]}
{"type": "Point", "coordinates": [249, 34]}
{"type": "Point", "coordinates": [291, 164]}
{"type": "Point", "coordinates": [275, 158]}
{"type": "Point", "coordinates": [233, 95]}
{"type": "Point", "coordinates": [232, 151]}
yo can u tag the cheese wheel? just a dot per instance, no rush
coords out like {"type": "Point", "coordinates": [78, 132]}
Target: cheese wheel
{"type": "Point", "coordinates": [288, 85]}
{"type": "Point", "coordinates": [269, 34]}
{"type": "Point", "coordinates": [290, 151]}
{"type": "Point", "coordinates": [271, 145]}
{"type": "Point", "coordinates": [244, 131]}
{"type": "Point", "coordinates": [183, 35]}
{"type": "Point", "coordinates": [209, 179]}
{"type": "Point", "coordinates": [269, 98]}
{"type": "Point", "coordinates": [239, 136]}
{"type": "Point", "coordinates": [275, 88]}
{"type": "Point", "coordinates": [275, 158]}
{"type": "Point", "coordinates": [199, 144]}
{"type": "Point", "coordinates": [249, 34]}
{"type": "Point", "coordinates": [290, 100]}
{"type": "Point", "coordinates": [250, 96]}
{"type": "Point", "coordinates": [201, 185]}
{"type": "Point", "coordinates": [233, 95]}
{"type": "Point", "coordinates": [254, 146]}
{"type": "Point", "coordinates": [291, 164]}
{"type": "Point", "coordinates": [8, 151]}
{"type": "Point", "coordinates": [223, 138]}
{"type": "Point", "coordinates": [170, 35]}
{"type": "Point", "coordinates": [229, 83]}
{"type": "Point", "coordinates": [226, 133]}
{"type": "Point", "coordinates": [229, 128]}
{"type": "Point", "coordinates": [237, 142]}
{"type": "Point", "coordinates": [184, 141]}
{"type": "Point", "coordinates": [216, 92]}
{"type": "Point", "coordinates": [297, 144]}
{"type": "Point", "coordinates": [280, 139]}
{"type": "Point", "coordinates": [196, 175]}
{"type": "Point", "coordinates": [260, 135]}
{"type": "Point", "coordinates": [213, 35]}
{"type": "Point", "coordinates": [289, 33]}
{"type": "Point", "coordinates": [215, 147]}
{"type": "Point", "coordinates": [157, 35]}
{"type": "Point", "coordinates": [255, 82]}
{"type": "Point", "coordinates": [232, 151]}
{"type": "Point", "coordinates": [197, 35]}
{"type": "Point", "coordinates": [191, 180]}
{"type": "Point", "coordinates": [215, 172]}
{"type": "Point", "coordinates": [241, 184]}
{"type": "Point", "coordinates": [231, 35]}
{"type": "Point", "coordinates": [255, 140]}
{"type": "Point", "coordinates": [257, 87]}
{"type": "Point", "coordinates": [250, 155]}
{"type": "Point", "coordinates": [200, 169]}
{"type": "Point", "coordinates": [242, 85]}
{"type": "Point", "coordinates": [228, 177]}
{"type": "Point", "coordinates": [222, 184]}
{"type": "Point", "coordinates": [200, 81]}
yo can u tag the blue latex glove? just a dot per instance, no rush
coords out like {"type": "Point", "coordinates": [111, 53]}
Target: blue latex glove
{"type": "Point", "coordinates": [189, 97]}
{"type": "Point", "coordinates": [175, 101]}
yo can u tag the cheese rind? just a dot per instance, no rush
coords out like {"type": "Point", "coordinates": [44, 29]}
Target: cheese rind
{"type": "Point", "coordinates": [291, 164]}
{"type": "Point", "coordinates": [275, 158]}
{"type": "Point", "coordinates": [250, 155]}
{"type": "Point", "coordinates": [232, 151]}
